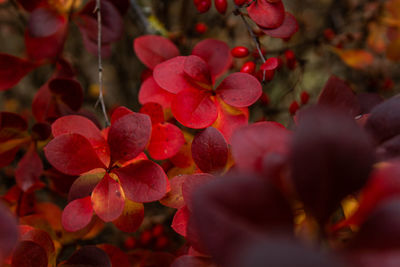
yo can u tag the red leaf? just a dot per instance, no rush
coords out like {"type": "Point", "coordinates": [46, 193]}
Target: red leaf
{"type": "Point", "coordinates": [166, 140]}
{"type": "Point", "coordinates": [258, 140]}
{"type": "Point", "coordinates": [198, 70]}
{"type": "Point", "coordinates": [8, 232]}
{"type": "Point", "coordinates": [150, 91]}
{"type": "Point", "coordinates": [89, 256]}
{"type": "Point", "coordinates": [240, 89]}
{"type": "Point", "coordinates": [30, 5]}
{"type": "Point", "coordinates": [12, 70]}
{"type": "Point", "coordinates": [128, 136]}
{"type": "Point", "coordinates": [210, 151]}
{"type": "Point", "coordinates": [28, 254]}
{"type": "Point", "coordinates": [180, 221]}
{"type": "Point", "coordinates": [108, 199]}
{"type": "Point", "coordinates": [155, 111]}
{"type": "Point", "coordinates": [174, 198]}
{"type": "Point", "coordinates": [131, 217]}
{"type": "Point", "coordinates": [217, 55]}
{"type": "Point", "coordinates": [46, 34]}
{"type": "Point", "coordinates": [229, 119]}
{"type": "Point", "coordinates": [29, 169]}
{"type": "Point", "coordinates": [338, 162]}
{"type": "Point", "coordinates": [271, 64]}
{"type": "Point", "coordinates": [266, 14]}
{"type": "Point", "coordinates": [144, 181]}
{"type": "Point", "coordinates": [170, 75]}
{"type": "Point", "coordinates": [191, 184]}
{"type": "Point", "coordinates": [194, 109]}
{"type": "Point", "coordinates": [116, 255]}
{"type": "Point", "coordinates": [41, 131]}
{"type": "Point", "coordinates": [74, 124]}
{"type": "Point", "coordinates": [41, 238]}
{"type": "Point", "coordinates": [337, 94]}
{"type": "Point", "coordinates": [72, 154]}
{"type": "Point", "coordinates": [77, 214]}
{"type": "Point", "coordinates": [286, 30]}
{"type": "Point", "coordinates": [119, 112]}
{"type": "Point", "coordinates": [153, 49]}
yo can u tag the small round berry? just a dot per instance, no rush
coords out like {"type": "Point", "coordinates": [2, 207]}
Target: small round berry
{"type": "Point", "coordinates": [248, 67]}
{"type": "Point", "coordinates": [240, 51]}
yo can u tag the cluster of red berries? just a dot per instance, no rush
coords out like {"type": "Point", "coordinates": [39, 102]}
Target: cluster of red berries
{"type": "Point", "coordinates": [151, 238]}
{"type": "Point", "coordinates": [204, 5]}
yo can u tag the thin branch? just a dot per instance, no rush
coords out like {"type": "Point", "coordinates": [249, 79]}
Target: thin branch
{"type": "Point", "coordinates": [141, 16]}
{"type": "Point", "coordinates": [100, 101]}
{"type": "Point", "coordinates": [253, 36]}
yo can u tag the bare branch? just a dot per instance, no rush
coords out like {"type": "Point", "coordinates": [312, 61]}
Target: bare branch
{"type": "Point", "coordinates": [100, 101]}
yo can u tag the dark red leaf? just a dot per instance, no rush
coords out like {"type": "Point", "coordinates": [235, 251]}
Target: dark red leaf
{"type": "Point", "coordinates": [240, 90]}
{"type": "Point", "coordinates": [191, 184]}
{"type": "Point", "coordinates": [170, 75]}
{"type": "Point", "coordinates": [108, 199]}
{"type": "Point", "coordinates": [89, 256]}
{"type": "Point", "coordinates": [84, 185]}
{"type": "Point", "coordinates": [384, 120]}
{"type": "Point", "coordinates": [217, 55]}
{"type": "Point", "coordinates": [286, 30]}
{"type": "Point", "coordinates": [28, 254]}
{"type": "Point", "coordinates": [77, 214]}
{"type": "Point", "coordinates": [12, 70]}
{"type": "Point", "coordinates": [153, 49]}
{"type": "Point", "coordinates": [210, 151]}
{"type": "Point", "coordinates": [338, 162]}
{"type": "Point", "coordinates": [12, 125]}
{"type": "Point", "coordinates": [337, 94]}
{"type": "Point", "coordinates": [194, 108]}
{"type": "Point", "coordinates": [116, 255]}
{"type": "Point", "coordinates": [231, 206]}
{"type": "Point", "coordinates": [259, 140]}
{"type": "Point", "coordinates": [368, 101]}
{"type": "Point", "coordinates": [29, 169]}
{"type": "Point", "coordinates": [144, 181]}
{"type": "Point", "coordinates": [72, 154]}
{"type": "Point", "coordinates": [30, 5]}
{"type": "Point", "coordinates": [131, 217]}
{"type": "Point", "coordinates": [74, 124]}
{"type": "Point", "coordinates": [112, 24]}
{"type": "Point", "coordinates": [267, 14]}
{"type": "Point", "coordinates": [128, 136]}
{"type": "Point", "coordinates": [41, 131]}
{"type": "Point", "coordinates": [166, 140]}
{"type": "Point", "coordinates": [69, 91]}
{"type": "Point", "coordinates": [192, 261]}
{"type": "Point", "coordinates": [180, 221]}
{"type": "Point", "coordinates": [150, 91]}
{"type": "Point", "coordinates": [8, 232]}
{"type": "Point", "coordinates": [41, 238]}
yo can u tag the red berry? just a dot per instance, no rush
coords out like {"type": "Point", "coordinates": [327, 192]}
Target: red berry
{"type": "Point", "coordinates": [202, 5]}
{"type": "Point", "coordinates": [304, 97]}
{"type": "Point", "coordinates": [329, 34]}
{"type": "Point", "coordinates": [240, 51]}
{"type": "Point", "coordinates": [158, 230]}
{"type": "Point", "coordinates": [248, 67]}
{"type": "Point", "coordinates": [293, 107]}
{"type": "Point", "coordinates": [145, 237]}
{"type": "Point", "coordinates": [291, 61]}
{"type": "Point", "coordinates": [221, 6]}
{"type": "Point", "coordinates": [200, 28]}
{"type": "Point", "coordinates": [129, 243]}
{"type": "Point", "coordinates": [161, 242]}
{"type": "Point", "coordinates": [240, 2]}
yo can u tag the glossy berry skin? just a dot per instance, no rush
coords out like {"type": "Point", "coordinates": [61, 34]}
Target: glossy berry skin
{"type": "Point", "coordinates": [304, 97]}
{"type": "Point", "coordinates": [201, 28]}
{"type": "Point", "coordinates": [240, 51]}
{"type": "Point", "coordinates": [221, 6]}
{"type": "Point", "coordinates": [248, 67]}
{"type": "Point", "coordinates": [294, 106]}
{"type": "Point", "coordinates": [202, 5]}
